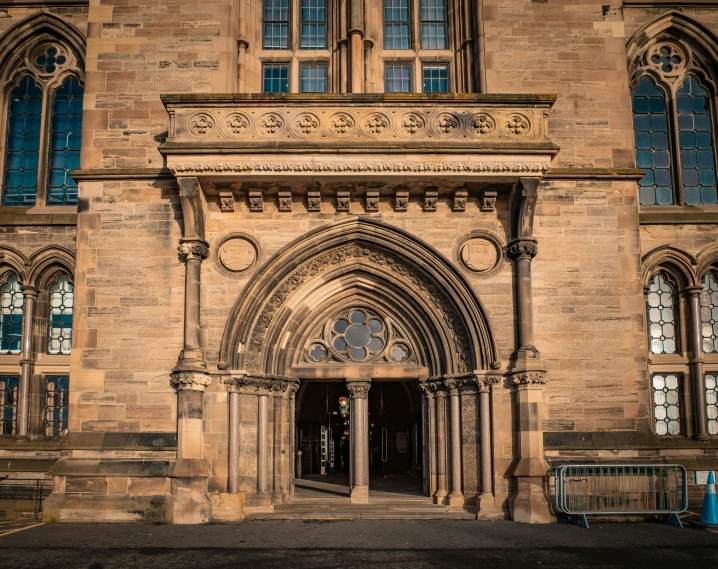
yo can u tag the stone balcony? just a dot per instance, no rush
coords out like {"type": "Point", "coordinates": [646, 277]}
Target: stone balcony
{"type": "Point", "coordinates": [264, 137]}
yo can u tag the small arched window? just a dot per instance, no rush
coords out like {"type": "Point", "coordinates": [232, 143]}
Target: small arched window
{"type": "Point", "coordinates": [661, 315]}
{"type": "Point", "coordinates": [43, 127]}
{"type": "Point", "coordinates": [709, 313]}
{"type": "Point", "coordinates": [60, 317]}
{"type": "Point", "coordinates": [11, 303]}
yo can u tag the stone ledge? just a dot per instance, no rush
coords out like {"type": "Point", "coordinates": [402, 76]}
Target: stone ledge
{"type": "Point", "coordinates": [41, 3]}
{"type": "Point", "coordinates": [593, 174]}
{"type": "Point", "coordinates": [690, 463]}
{"type": "Point", "coordinates": [620, 440]}
{"type": "Point", "coordinates": [22, 464]}
{"type": "Point", "coordinates": [677, 215]}
{"type": "Point", "coordinates": [21, 215]}
{"type": "Point", "coordinates": [99, 174]}
{"type": "Point", "coordinates": [96, 441]}
{"type": "Point", "coordinates": [109, 467]}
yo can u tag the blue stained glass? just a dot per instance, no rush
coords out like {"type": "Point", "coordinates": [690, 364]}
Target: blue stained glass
{"type": "Point", "coordinates": [276, 24]}
{"type": "Point", "coordinates": [9, 385]}
{"type": "Point", "coordinates": [11, 303]}
{"type": "Point", "coordinates": [434, 25]}
{"type": "Point", "coordinates": [57, 390]}
{"type": "Point", "coordinates": [314, 27]}
{"type": "Point", "coordinates": [396, 24]}
{"type": "Point", "coordinates": [695, 136]}
{"type": "Point", "coordinates": [23, 144]}
{"type": "Point", "coordinates": [65, 131]}
{"type": "Point", "coordinates": [60, 317]}
{"type": "Point", "coordinates": [650, 123]}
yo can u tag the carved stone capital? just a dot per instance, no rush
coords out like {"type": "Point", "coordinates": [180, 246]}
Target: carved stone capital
{"type": "Point", "coordinates": [193, 249]}
{"type": "Point", "coordinates": [358, 389]}
{"type": "Point", "coordinates": [30, 291]}
{"type": "Point", "coordinates": [189, 380]}
{"type": "Point", "coordinates": [243, 383]}
{"type": "Point", "coordinates": [522, 249]}
{"type": "Point", "coordinates": [484, 382]}
{"type": "Point", "coordinates": [529, 378]}
{"type": "Point", "coordinates": [453, 385]}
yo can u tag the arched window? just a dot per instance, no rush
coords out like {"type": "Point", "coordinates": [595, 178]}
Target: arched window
{"type": "Point", "coordinates": [43, 127]}
{"type": "Point", "coordinates": [673, 114]}
{"type": "Point", "coordinates": [11, 303]}
{"type": "Point", "coordinates": [661, 316]}
{"type": "Point", "coordinates": [60, 317]}
{"type": "Point", "coordinates": [709, 314]}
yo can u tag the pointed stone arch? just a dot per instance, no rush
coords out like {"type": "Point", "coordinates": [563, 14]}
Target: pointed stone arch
{"type": "Point", "coordinates": [13, 261]}
{"type": "Point", "coordinates": [363, 259]}
{"type": "Point", "coordinates": [47, 263]}
{"type": "Point", "coordinates": [681, 266]}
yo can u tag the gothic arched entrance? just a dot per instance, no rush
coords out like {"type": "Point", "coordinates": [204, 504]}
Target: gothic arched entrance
{"type": "Point", "coordinates": [362, 303]}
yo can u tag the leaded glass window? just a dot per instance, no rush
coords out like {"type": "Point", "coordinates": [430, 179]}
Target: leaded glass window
{"type": "Point", "coordinates": [397, 23]}
{"type": "Point", "coordinates": [666, 404]}
{"type": "Point", "coordinates": [22, 143]}
{"type": "Point", "coordinates": [661, 316]}
{"type": "Point", "coordinates": [11, 303]}
{"type": "Point", "coordinates": [275, 77]}
{"type": "Point", "coordinates": [276, 24]}
{"type": "Point", "coordinates": [8, 404]}
{"type": "Point", "coordinates": [56, 405]}
{"type": "Point", "coordinates": [436, 78]}
{"type": "Point", "coordinates": [709, 313]}
{"type": "Point", "coordinates": [712, 402]}
{"type": "Point", "coordinates": [65, 136]}
{"type": "Point", "coordinates": [434, 27]}
{"type": "Point", "coordinates": [358, 335]}
{"type": "Point", "coordinates": [650, 123]}
{"type": "Point", "coordinates": [313, 77]}
{"type": "Point", "coordinates": [61, 304]}
{"type": "Point", "coordinates": [313, 15]}
{"type": "Point", "coordinates": [695, 134]}
{"type": "Point", "coordinates": [397, 78]}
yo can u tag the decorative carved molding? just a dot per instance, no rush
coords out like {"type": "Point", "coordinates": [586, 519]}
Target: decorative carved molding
{"type": "Point", "coordinates": [488, 200]}
{"type": "Point", "coordinates": [256, 200]}
{"type": "Point", "coordinates": [368, 166]}
{"type": "Point", "coordinates": [401, 200]}
{"type": "Point", "coordinates": [484, 382]}
{"type": "Point", "coordinates": [189, 380]}
{"type": "Point", "coordinates": [529, 378]}
{"type": "Point", "coordinates": [461, 197]}
{"type": "Point", "coordinates": [358, 389]}
{"type": "Point", "coordinates": [431, 199]}
{"type": "Point", "coordinates": [226, 201]}
{"type": "Point", "coordinates": [193, 249]}
{"type": "Point", "coordinates": [285, 200]}
{"type": "Point", "coordinates": [372, 200]}
{"type": "Point", "coordinates": [259, 385]}
{"type": "Point", "coordinates": [522, 249]}
{"type": "Point", "coordinates": [314, 200]}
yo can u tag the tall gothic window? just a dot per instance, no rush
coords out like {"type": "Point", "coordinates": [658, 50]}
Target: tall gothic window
{"type": "Point", "coordinates": [43, 127]}
{"type": "Point", "coordinates": [673, 117]}
{"type": "Point", "coordinates": [8, 404]}
{"type": "Point", "coordinates": [60, 317]}
{"type": "Point", "coordinates": [662, 316]}
{"type": "Point", "coordinates": [11, 303]}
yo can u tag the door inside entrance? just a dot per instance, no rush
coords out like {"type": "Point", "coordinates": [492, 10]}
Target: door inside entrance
{"type": "Point", "coordinates": [323, 438]}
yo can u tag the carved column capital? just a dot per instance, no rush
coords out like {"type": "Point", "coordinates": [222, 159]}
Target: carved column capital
{"type": "Point", "coordinates": [522, 249]}
{"type": "Point", "coordinates": [529, 378]}
{"type": "Point", "coordinates": [193, 249]}
{"type": "Point", "coordinates": [484, 382]}
{"type": "Point", "coordinates": [358, 389]}
{"type": "Point", "coordinates": [189, 380]}
{"type": "Point", "coordinates": [30, 291]}
{"type": "Point", "coordinates": [453, 385]}
{"type": "Point", "coordinates": [691, 290]}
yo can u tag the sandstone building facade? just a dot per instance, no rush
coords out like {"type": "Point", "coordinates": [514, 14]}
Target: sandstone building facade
{"type": "Point", "coordinates": [455, 243]}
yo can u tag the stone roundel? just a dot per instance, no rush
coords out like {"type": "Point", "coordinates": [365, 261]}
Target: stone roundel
{"type": "Point", "coordinates": [271, 125]}
{"type": "Point", "coordinates": [375, 124]}
{"type": "Point", "coordinates": [201, 124]}
{"type": "Point", "coordinates": [412, 124]}
{"type": "Point", "coordinates": [305, 124]}
{"type": "Point", "coordinates": [341, 124]}
{"type": "Point", "coordinates": [237, 254]}
{"type": "Point", "coordinates": [446, 124]}
{"type": "Point", "coordinates": [479, 254]}
{"type": "Point", "coordinates": [482, 124]}
{"type": "Point", "coordinates": [516, 124]}
{"type": "Point", "coordinates": [236, 124]}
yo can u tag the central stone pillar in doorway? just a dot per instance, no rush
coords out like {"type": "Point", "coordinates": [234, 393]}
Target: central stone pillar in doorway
{"type": "Point", "coordinates": [359, 417]}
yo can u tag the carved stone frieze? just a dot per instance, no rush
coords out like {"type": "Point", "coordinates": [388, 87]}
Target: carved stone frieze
{"type": "Point", "coordinates": [189, 380]}
{"type": "Point", "coordinates": [522, 249]}
{"type": "Point", "coordinates": [529, 378]}
{"type": "Point", "coordinates": [194, 249]}
{"type": "Point", "coordinates": [259, 385]}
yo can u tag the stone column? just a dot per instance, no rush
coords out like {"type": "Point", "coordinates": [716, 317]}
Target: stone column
{"type": "Point", "coordinates": [430, 438]}
{"type": "Point", "coordinates": [292, 435]}
{"type": "Point", "coordinates": [23, 404]}
{"type": "Point", "coordinates": [262, 451]}
{"type": "Point", "coordinates": [487, 508]}
{"type": "Point", "coordinates": [441, 436]}
{"type": "Point", "coordinates": [359, 416]}
{"type": "Point", "coordinates": [456, 497]}
{"type": "Point", "coordinates": [699, 384]}
{"type": "Point", "coordinates": [194, 252]}
{"type": "Point", "coordinates": [233, 451]}
{"type": "Point", "coordinates": [356, 47]}
{"type": "Point", "coordinates": [522, 251]}
{"type": "Point", "coordinates": [277, 447]}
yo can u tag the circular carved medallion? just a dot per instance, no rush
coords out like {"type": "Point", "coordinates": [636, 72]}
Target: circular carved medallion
{"type": "Point", "coordinates": [479, 254]}
{"type": "Point", "coordinates": [237, 254]}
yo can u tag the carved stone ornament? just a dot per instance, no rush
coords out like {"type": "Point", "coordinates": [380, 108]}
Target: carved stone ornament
{"type": "Point", "coordinates": [342, 124]}
{"type": "Point", "coordinates": [412, 124]}
{"type": "Point", "coordinates": [189, 380]}
{"type": "Point", "coordinates": [484, 382]}
{"type": "Point", "coordinates": [348, 166]}
{"type": "Point", "coordinates": [358, 389]}
{"type": "Point", "coordinates": [529, 378]}
{"type": "Point", "coordinates": [201, 124]}
{"type": "Point", "coordinates": [482, 124]}
{"type": "Point", "coordinates": [50, 59]}
{"type": "Point", "coordinates": [256, 385]}
{"type": "Point", "coordinates": [194, 249]}
{"type": "Point", "coordinates": [270, 124]}
{"type": "Point", "coordinates": [522, 249]}
{"type": "Point", "coordinates": [256, 200]}
{"type": "Point", "coordinates": [401, 200]}
{"type": "Point", "coordinates": [343, 201]}
{"type": "Point", "coordinates": [372, 201]}
{"type": "Point", "coordinates": [285, 201]}
{"type": "Point", "coordinates": [236, 124]}
{"type": "Point", "coordinates": [517, 124]}
{"type": "Point", "coordinates": [226, 201]}
{"type": "Point", "coordinates": [453, 386]}
{"type": "Point", "coordinates": [445, 124]}
{"type": "Point", "coordinates": [488, 200]}
{"type": "Point", "coordinates": [376, 123]}
{"type": "Point", "coordinates": [431, 199]}
{"type": "Point", "coordinates": [461, 197]}
{"type": "Point", "coordinates": [667, 58]}
{"type": "Point", "coordinates": [479, 254]}
{"type": "Point", "coordinates": [314, 201]}
{"type": "Point", "coordinates": [307, 123]}
{"type": "Point", "coordinates": [237, 254]}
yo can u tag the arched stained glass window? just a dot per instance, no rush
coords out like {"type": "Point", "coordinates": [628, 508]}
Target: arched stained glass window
{"type": "Point", "coordinates": [11, 303]}
{"type": "Point", "coordinates": [695, 134]}
{"type": "Point", "coordinates": [22, 143]}
{"type": "Point", "coordinates": [666, 404]}
{"type": "Point", "coordinates": [61, 304]}
{"type": "Point", "coordinates": [661, 316]}
{"type": "Point", "coordinates": [650, 124]}
{"type": "Point", "coordinates": [709, 314]}
{"type": "Point", "coordinates": [65, 135]}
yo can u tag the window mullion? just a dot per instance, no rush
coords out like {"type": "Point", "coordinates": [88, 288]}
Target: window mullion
{"type": "Point", "coordinates": [44, 150]}
{"type": "Point", "coordinates": [675, 147]}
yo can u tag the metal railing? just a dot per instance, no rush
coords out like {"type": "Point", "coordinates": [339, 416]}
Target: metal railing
{"type": "Point", "coordinates": [21, 499]}
{"type": "Point", "coordinates": [621, 489]}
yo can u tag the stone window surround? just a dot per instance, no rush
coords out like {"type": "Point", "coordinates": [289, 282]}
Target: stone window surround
{"type": "Point", "coordinates": [686, 273]}
{"type": "Point", "coordinates": [37, 274]}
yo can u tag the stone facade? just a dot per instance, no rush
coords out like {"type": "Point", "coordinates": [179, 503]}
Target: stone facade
{"type": "Point", "coordinates": [496, 231]}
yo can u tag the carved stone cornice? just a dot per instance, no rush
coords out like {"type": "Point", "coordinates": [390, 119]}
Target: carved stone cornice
{"type": "Point", "coordinates": [189, 380]}
{"type": "Point", "coordinates": [193, 249]}
{"type": "Point", "coordinates": [358, 389]}
{"type": "Point", "coordinates": [522, 249]}
{"type": "Point", "coordinates": [257, 385]}
{"type": "Point", "coordinates": [537, 377]}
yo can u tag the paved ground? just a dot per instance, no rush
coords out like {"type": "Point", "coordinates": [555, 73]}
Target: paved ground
{"type": "Point", "coordinates": [376, 544]}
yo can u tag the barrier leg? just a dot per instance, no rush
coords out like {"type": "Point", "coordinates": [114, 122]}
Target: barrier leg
{"type": "Point", "coordinates": [579, 519]}
{"type": "Point", "coordinates": [672, 519]}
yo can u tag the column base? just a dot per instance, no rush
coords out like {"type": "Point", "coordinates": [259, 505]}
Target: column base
{"type": "Point", "coordinates": [455, 500]}
{"type": "Point", "coordinates": [486, 508]}
{"type": "Point", "coordinates": [359, 495]}
{"type": "Point", "coordinates": [228, 507]}
{"type": "Point", "coordinates": [189, 503]}
{"type": "Point", "coordinates": [439, 498]}
{"type": "Point", "coordinates": [264, 499]}
{"type": "Point", "coordinates": [530, 504]}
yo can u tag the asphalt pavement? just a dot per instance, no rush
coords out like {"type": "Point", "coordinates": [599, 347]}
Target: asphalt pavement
{"type": "Point", "coordinates": [342, 544]}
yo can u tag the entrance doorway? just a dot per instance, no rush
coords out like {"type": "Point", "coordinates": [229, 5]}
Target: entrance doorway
{"type": "Point", "coordinates": [323, 466]}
